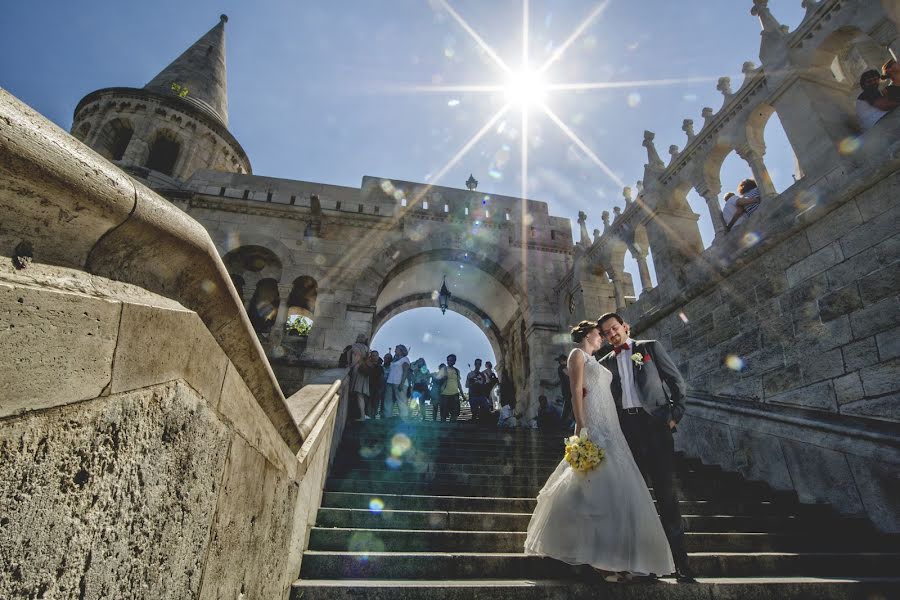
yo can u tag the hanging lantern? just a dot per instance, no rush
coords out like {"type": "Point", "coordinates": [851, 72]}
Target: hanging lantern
{"type": "Point", "coordinates": [444, 297]}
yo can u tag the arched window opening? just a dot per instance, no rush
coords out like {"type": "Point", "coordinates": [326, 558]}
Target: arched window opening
{"type": "Point", "coordinates": [303, 296]}
{"type": "Point", "coordinates": [163, 154]}
{"type": "Point", "coordinates": [82, 132]}
{"type": "Point", "coordinates": [734, 170]}
{"type": "Point", "coordinates": [114, 139]}
{"type": "Point", "coordinates": [705, 223]}
{"type": "Point", "coordinates": [264, 306]}
{"type": "Point", "coordinates": [781, 161]}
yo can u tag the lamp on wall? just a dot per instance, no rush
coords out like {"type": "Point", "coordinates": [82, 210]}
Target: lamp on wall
{"type": "Point", "coordinates": [444, 296]}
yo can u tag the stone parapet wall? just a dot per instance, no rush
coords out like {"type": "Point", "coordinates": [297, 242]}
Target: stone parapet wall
{"type": "Point", "coordinates": [848, 463]}
{"type": "Point", "coordinates": [146, 449]}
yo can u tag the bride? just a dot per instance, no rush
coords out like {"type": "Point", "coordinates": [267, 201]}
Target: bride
{"type": "Point", "coordinates": [605, 517]}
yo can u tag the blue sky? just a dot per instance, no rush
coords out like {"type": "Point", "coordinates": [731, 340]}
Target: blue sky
{"type": "Point", "coordinates": [324, 91]}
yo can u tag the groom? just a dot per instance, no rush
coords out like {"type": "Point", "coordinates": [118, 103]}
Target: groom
{"type": "Point", "coordinates": [648, 415]}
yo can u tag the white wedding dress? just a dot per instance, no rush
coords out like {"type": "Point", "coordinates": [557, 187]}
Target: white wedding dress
{"type": "Point", "coordinates": [605, 517]}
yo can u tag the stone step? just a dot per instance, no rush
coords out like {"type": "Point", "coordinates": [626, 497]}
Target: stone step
{"type": "Point", "coordinates": [526, 505]}
{"type": "Point", "coordinates": [430, 540]}
{"type": "Point", "coordinates": [497, 488]}
{"type": "Point", "coordinates": [440, 566]}
{"type": "Point", "coordinates": [535, 479]}
{"type": "Point", "coordinates": [757, 588]}
{"type": "Point", "coordinates": [419, 463]}
{"type": "Point", "coordinates": [484, 521]}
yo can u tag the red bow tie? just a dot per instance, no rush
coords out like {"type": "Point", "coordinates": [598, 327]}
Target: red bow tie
{"type": "Point", "coordinates": [618, 349]}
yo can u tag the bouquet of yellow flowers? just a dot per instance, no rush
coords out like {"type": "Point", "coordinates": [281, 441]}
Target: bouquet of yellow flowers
{"type": "Point", "coordinates": [582, 454]}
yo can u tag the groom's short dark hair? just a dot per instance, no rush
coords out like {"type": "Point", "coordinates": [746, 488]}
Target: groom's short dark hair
{"type": "Point", "coordinates": [610, 315]}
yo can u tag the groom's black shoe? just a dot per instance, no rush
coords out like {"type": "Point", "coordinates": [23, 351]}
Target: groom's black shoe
{"type": "Point", "coordinates": [685, 575]}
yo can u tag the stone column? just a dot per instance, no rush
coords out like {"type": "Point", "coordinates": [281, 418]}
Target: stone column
{"type": "Point", "coordinates": [284, 292]}
{"type": "Point", "coordinates": [760, 172]}
{"type": "Point", "coordinates": [643, 272]}
{"type": "Point", "coordinates": [138, 149]}
{"type": "Point", "coordinates": [715, 211]}
{"type": "Point", "coordinates": [618, 290]}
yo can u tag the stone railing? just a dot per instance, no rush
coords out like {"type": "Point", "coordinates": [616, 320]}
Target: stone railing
{"type": "Point", "coordinates": [147, 449]}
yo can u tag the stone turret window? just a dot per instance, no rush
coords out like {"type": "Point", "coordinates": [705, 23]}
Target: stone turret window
{"type": "Point", "coordinates": [246, 194]}
{"type": "Point", "coordinates": [221, 191]}
{"type": "Point", "coordinates": [293, 199]}
{"type": "Point", "coordinates": [361, 207]}
{"type": "Point", "coordinates": [113, 139]}
{"type": "Point", "coordinates": [163, 153]}
{"type": "Point", "coordinates": [269, 197]}
{"type": "Point", "coordinates": [552, 235]}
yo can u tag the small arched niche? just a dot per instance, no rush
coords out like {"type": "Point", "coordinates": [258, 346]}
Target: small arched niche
{"type": "Point", "coordinates": [164, 152]}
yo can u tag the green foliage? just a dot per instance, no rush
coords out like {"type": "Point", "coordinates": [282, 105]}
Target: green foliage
{"type": "Point", "coordinates": [300, 326]}
{"type": "Point", "coordinates": [180, 90]}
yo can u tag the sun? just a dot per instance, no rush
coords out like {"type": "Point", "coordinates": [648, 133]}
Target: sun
{"type": "Point", "coordinates": [526, 88]}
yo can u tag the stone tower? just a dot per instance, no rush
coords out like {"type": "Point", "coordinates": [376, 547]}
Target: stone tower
{"type": "Point", "coordinates": [173, 126]}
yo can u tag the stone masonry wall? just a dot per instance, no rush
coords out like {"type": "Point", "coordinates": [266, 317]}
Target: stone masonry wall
{"type": "Point", "coordinates": [134, 461]}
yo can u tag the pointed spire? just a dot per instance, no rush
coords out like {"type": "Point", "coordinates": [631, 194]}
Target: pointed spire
{"type": "Point", "coordinates": [199, 75]}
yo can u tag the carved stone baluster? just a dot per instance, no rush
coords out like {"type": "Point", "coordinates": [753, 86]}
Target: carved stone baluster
{"type": "Point", "coordinates": [687, 126]}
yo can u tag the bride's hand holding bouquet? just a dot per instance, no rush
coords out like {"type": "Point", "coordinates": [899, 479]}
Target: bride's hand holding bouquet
{"type": "Point", "coordinates": [582, 454]}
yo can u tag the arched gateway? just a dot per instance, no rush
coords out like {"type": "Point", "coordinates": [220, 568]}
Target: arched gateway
{"type": "Point", "coordinates": [385, 248]}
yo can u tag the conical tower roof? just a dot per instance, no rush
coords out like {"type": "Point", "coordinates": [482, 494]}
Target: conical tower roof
{"type": "Point", "coordinates": [201, 71]}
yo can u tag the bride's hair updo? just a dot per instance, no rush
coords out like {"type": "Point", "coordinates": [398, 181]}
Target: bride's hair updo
{"type": "Point", "coordinates": [582, 329]}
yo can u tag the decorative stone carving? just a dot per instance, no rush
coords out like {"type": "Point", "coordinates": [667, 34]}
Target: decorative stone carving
{"type": "Point", "coordinates": [687, 126]}
{"type": "Point", "coordinates": [654, 161]}
{"type": "Point", "coordinates": [617, 212]}
{"type": "Point", "coordinates": [626, 193]}
{"type": "Point", "coordinates": [582, 222]}
{"type": "Point", "coordinates": [769, 23]}
{"type": "Point", "coordinates": [673, 152]}
{"type": "Point", "coordinates": [708, 115]}
{"type": "Point", "coordinates": [605, 218]}
{"type": "Point", "coordinates": [724, 86]}
{"type": "Point", "coordinates": [596, 236]}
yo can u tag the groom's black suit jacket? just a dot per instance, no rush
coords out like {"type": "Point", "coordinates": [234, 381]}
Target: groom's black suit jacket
{"type": "Point", "coordinates": [649, 380]}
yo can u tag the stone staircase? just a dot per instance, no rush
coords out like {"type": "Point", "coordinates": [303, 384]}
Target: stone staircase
{"type": "Point", "coordinates": [431, 510]}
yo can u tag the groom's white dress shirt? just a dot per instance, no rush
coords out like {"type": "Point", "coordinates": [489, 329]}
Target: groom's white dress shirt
{"type": "Point", "coordinates": [630, 398]}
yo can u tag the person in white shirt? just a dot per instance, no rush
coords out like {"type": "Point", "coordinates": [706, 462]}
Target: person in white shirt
{"type": "Point", "coordinates": [395, 393]}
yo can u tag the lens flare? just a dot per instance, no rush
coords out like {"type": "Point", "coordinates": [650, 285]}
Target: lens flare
{"type": "Point", "coordinates": [376, 505]}
{"type": "Point", "coordinates": [683, 317]}
{"type": "Point", "coordinates": [849, 145]}
{"type": "Point", "coordinates": [400, 445]}
{"type": "Point", "coordinates": [735, 362]}
{"type": "Point", "coordinates": [393, 462]}
{"type": "Point", "coordinates": [750, 239]}
{"type": "Point", "coordinates": [633, 100]}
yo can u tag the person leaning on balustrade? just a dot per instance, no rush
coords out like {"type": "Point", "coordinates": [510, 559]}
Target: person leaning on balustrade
{"type": "Point", "coordinates": [872, 103]}
{"type": "Point", "coordinates": [737, 207]}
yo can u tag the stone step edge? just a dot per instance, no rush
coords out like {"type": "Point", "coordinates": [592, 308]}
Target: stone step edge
{"type": "Point", "coordinates": [523, 555]}
{"type": "Point", "coordinates": [480, 583]}
{"type": "Point", "coordinates": [469, 532]}
{"type": "Point", "coordinates": [395, 512]}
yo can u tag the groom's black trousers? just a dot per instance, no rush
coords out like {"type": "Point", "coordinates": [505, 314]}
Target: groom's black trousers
{"type": "Point", "coordinates": [653, 448]}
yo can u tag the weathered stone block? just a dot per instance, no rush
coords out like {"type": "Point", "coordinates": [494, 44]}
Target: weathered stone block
{"type": "Point", "coordinates": [821, 475]}
{"type": "Point", "coordinates": [833, 225]}
{"type": "Point", "coordinates": [881, 378]}
{"type": "Point", "coordinates": [886, 408]}
{"type": "Point", "coordinates": [859, 354]}
{"type": "Point", "coordinates": [823, 336]}
{"type": "Point", "coordinates": [849, 271]}
{"type": "Point", "coordinates": [253, 524]}
{"type": "Point", "coordinates": [111, 498]}
{"type": "Point", "coordinates": [876, 318]}
{"type": "Point", "coordinates": [848, 388]}
{"type": "Point", "coordinates": [877, 485]}
{"type": "Point", "coordinates": [820, 365]}
{"type": "Point", "coordinates": [158, 345]}
{"type": "Point", "coordinates": [815, 263]}
{"type": "Point", "coordinates": [819, 396]}
{"type": "Point", "coordinates": [707, 440]}
{"type": "Point", "coordinates": [839, 302]}
{"type": "Point", "coordinates": [780, 380]}
{"type": "Point", "coordinates": [39, 329]}
{"type": "Point", "coordinates": [758, 456]}
{"type": "Point", "coordinates": [880, 284]}
{"type": "Point", "coordinates": [803, 293]}
{"type": "Point", "coordinates": [888, 344]}
{"type": "Point", "coordinates": [889, 250]}
{"type": "Point", "coordinates": [239, 407]}
{"type": "Point", "coordinates": [874, 231]}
